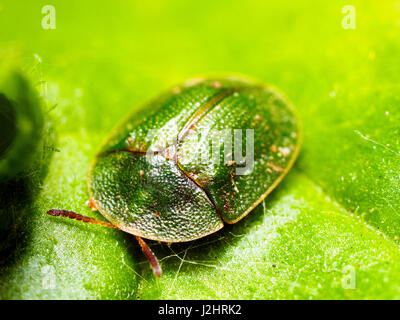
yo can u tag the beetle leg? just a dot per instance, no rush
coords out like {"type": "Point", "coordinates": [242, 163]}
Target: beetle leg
{"type": "Point", "coordinates": [145, 248]}
{"type": "Point", "coordinates": [150, 256]}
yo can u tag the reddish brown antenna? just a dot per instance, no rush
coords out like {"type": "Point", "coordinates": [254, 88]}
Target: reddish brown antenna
{"type": "Point", "coordinates": [145, 248]}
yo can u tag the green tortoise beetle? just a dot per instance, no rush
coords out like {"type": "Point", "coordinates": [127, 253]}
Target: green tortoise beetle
{"type": "Point", "coordinates": [176, 171]}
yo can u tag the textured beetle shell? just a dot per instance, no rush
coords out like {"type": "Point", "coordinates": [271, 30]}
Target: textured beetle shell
{"type": "Point", "coordinates": [164, 195]}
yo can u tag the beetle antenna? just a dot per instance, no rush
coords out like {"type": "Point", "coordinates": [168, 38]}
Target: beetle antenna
{"type": "Point", "coordinates": [145, 248]}
{"type": "Point", "coordinates": [76, 216]}
{"type": "Point", "coordinates": [150, 256]}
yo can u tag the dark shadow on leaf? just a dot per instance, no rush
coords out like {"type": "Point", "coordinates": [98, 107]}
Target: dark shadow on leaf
{"type": "Point", "coordinates": [16, 203]}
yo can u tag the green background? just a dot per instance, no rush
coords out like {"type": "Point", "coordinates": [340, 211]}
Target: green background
{"type": "Point", "coordinates": [330, 230]}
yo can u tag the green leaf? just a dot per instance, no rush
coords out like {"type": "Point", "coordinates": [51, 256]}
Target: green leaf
{"type": "Point", "coordinates": [330, 230]}
{"type": "Point", "coordinates": [300, 245]}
